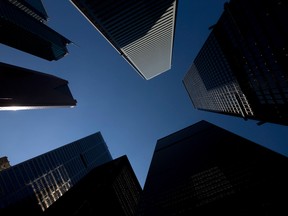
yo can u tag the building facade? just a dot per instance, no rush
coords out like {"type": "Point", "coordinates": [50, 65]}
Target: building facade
{"type": "Point", "coordinates": [211, 84]}
{"type": "Point", "coordinates": [109, 189]}
{"type": "Point", "coordinates": [23, 27]}
{"type": "Point", "coordinates": [206, 170]}
{"type": "Point", "coordinates": [241, 69]}
{"type": "Point", "coordinates": [37, 183]}
{"type": "Point", "coordinates": [142, 32]}
{"type": "Point", "coordinates": [23, 89]}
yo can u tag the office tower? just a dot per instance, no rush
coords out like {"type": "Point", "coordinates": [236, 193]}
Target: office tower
{"type": "Point", "coordinates": [241, 69]}
{"type": "Point", "coordinates": [23, 27]}
{"type": "Point", "coordinates": [109, 189]}
{"type": "Point", "coordinates": [142, 31]}
{"type": "Point", "coordinates": [206, 170]}
{"type": "Point", "coordinates": [27, 89]}
{"type": "Point", "coordinates": [4, 163]}
{"type": "Point", "coordinates": [40, 181]}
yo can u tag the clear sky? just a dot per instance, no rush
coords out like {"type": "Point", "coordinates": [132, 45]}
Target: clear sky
{"type": "Point", "coordinates": [131, 113]}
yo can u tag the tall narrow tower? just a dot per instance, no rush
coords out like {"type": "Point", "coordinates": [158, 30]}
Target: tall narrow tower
{"type": "Point", "coordinates": [141, 31]}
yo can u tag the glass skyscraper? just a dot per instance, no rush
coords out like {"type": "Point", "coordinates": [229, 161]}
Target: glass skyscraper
{"type": "Point", "coordinates": [211, 84]}
{"type": "Point", "coordinates": [206, 170]}
{"type": "Point", "coordinates": [23, 27]}
{"type": "Point", "coordinates": [141, 31]}
{"type": "Point", "coordinates": [109, 189]}
{"type": "Point", "coordinates": [24, 89]}
{"type": "Point", "coordinates": [242, 67]}
{"type": "Point", "coordinates": [40, 181]}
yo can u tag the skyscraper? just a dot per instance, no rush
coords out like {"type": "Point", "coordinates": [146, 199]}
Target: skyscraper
{"type": "Point", "coordinates": [241, 69]}
{"type": "Point", "coordinates": [23, 27]}
{"type": "Point", "coordinates": [206, 170]}
{"type": "Point", "coordinates": [27, 89]}
{"type": "Point", "coordinates": [40, 181]}
{"type": "Point", "coordinates": [109, 189]}
{"type": "Point", "coordinates": [141, 31]}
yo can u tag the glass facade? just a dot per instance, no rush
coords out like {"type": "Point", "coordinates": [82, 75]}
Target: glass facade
{"type": "Point", "coordinates": [249, 45]}
{"type": "Point", "coordinates": [40, 181]}
{"type": "Point", "coordinates": [109, 189]}
{"type": "Point", "coordinates": [23, 89]}
{"type": "Point", "coordinates": [20, 18]}
{"type": "Point", "coordinates": [32, 7]}
{"type": "Point", "coordinates": [141, 31]}
{"type": "Point", "coordinates": [37, 5]}
{"type": "Point", "coordinates": [211, 84]}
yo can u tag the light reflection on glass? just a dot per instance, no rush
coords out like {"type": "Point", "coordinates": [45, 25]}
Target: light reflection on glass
{"type": "Point", "coordinates": [51, 186]}
{"type": "Point", "coordinates": [16, 108]}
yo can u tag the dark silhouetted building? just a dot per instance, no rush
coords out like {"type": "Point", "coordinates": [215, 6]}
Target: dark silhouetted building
{"type": "Point", "coordinates": [23, 89]}
{"type": "Point", "coordinates": [37, 183]}
{"type": "Point", "coordinates": [23, 27]}
{"type": "Point", "coordinates": [242, 68]}
{"type": "Point", "coordinates": [206, 170]}
{"type": "Point", "coordinates": [141, 31]}
{"type": "Point", "coordinates": [4, 163]}
{"type": "Point", "coordinates": [109, 189]}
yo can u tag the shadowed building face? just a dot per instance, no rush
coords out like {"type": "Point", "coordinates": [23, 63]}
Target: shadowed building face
{"type": "Point", "coordinates": [204, 169]}
{"type": "Point", "coordinates": [26, 89]}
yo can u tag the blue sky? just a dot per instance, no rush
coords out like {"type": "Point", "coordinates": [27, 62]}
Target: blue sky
{"type": "Point", "coordinates": [131, 113]}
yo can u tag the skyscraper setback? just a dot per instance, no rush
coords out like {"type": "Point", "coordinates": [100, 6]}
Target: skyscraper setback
{"type": "Point", "coordinates": [241, 69]}
{"type": "Point", "coordinates": [206, 170]}
{"type": "Point", "coordinates": [38, 182]}
{"type": "Point", "coordinates": [141, 31]}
